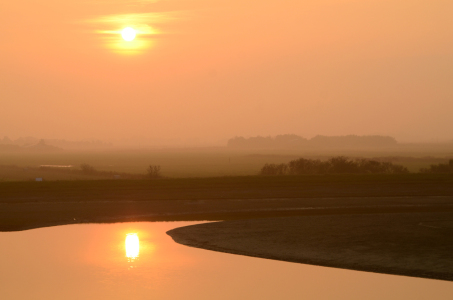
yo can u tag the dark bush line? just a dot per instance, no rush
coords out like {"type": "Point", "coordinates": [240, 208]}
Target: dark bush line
{"type": "Point", "coordinates": [335, 165]}
{"type": "Point", "coordinates": [439, 168]}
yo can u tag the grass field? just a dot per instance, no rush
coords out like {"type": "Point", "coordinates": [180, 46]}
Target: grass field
{"type": "Point", "coordinates": [34, 204]}
{"type": "Point", "coordinates": [241, 187]}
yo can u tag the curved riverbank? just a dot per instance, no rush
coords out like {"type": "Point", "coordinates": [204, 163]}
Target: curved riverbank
{"type": "Point", "coordinates": [411, 244]}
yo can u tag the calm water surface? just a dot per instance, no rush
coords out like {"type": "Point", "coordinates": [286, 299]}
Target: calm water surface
{"type": "Point", "coordinates": [139, 261]}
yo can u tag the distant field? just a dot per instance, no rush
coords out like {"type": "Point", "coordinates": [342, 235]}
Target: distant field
{"type": "Point", "coordinates": [179, 163]}
{"type": "Point", "coordinates": [174, 163]}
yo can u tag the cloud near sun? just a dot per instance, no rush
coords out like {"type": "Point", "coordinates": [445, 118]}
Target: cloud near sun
{"type": "Point", "coordinates": [145, 25]}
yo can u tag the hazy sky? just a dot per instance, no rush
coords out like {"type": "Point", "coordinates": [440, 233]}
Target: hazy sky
{"type": "Point", "coordinates": [213, 69]}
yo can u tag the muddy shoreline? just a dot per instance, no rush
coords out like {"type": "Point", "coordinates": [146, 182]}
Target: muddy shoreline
{"type": "Point", "coordinates": [410, 244]}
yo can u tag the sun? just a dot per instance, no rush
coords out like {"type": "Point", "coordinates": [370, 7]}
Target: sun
{"type": "Point", "coordinates": [128, 34]}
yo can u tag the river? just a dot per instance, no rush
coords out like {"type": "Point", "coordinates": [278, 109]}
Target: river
{"type": "Point", "coordinates": [139, 261]}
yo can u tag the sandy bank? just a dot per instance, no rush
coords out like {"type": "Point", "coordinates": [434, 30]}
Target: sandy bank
{"type": "Point", "coordinates": [412, 244]}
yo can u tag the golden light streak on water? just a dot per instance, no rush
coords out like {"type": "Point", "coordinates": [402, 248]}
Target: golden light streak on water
{"type": "Point", "coordinates": [132, 246]}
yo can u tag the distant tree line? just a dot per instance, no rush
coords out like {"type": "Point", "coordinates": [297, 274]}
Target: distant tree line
{"type": "Point", "coordinates": [40, 146]}
{"type": "Point", "coordinates": [295, 141]}
{"type": "Point", "coordinates": [335, 165]}
{"type": "Point", "coordinates": [439, 168]}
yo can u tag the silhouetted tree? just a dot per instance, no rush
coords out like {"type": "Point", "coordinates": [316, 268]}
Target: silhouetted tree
{"type": "Point", "coordinates": [307, 166]}
{"type": "Point", "coordinates": [274, 169]}
{"type": "Point", "coordinates": [341, 164]}
{"type": "Point", "coordinates": [153, 171]}
{"type": "Point", "coordinates": [87, 169]}
{"type": "Point", "coordinates": [439, 168]}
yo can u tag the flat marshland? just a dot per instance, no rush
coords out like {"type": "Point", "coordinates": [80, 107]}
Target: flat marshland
{"type": "Point", "coordinates": [337, 213]}
{"type": "Point", "coordinates": [30, 204]}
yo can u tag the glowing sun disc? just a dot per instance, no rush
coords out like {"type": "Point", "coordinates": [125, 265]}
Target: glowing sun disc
{"type": "Point", "coordinates": [128, 34]}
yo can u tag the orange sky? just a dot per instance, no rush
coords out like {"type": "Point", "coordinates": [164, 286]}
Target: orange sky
{"type": "Point", "coordinates": [213, 69]}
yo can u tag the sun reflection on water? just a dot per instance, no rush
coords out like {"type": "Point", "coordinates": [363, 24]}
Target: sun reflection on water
{"type": "Point", "coordinates": [132, 247]}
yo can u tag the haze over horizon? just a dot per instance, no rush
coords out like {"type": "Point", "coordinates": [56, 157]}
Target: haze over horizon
{"type": "Point", "coordinates": [211, 70]}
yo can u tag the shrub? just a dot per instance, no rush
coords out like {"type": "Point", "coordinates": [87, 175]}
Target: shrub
{"type": "Point", "coordinates": [307, 166]}
{"type": "Point", "coordinates": [341, 164]}
{"type": "Point", "coordinates": [439, 168]}
{"type": "Point", "coordinates": [274, 169]}
{"type": "Point", "coordinates": [153, 171]}
{"type": "Point", "coordinates": [87, 169]}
